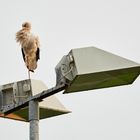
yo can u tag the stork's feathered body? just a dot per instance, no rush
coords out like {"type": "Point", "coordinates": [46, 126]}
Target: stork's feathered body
{"type": "Point", "coordinates": [29, 45]}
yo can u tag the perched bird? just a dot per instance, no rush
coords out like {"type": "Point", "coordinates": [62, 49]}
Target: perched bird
{"type": "Point", "coordinates": [29, 46]}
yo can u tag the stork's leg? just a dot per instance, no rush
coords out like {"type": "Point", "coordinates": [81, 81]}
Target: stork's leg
{"type": "Point", "coordinates": [29, 74]}
{"type": "Point", "coordinates": [30, 80]}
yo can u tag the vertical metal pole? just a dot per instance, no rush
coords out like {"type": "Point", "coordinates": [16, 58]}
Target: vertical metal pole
{"type": "Point", "coordinates": [34, 120]}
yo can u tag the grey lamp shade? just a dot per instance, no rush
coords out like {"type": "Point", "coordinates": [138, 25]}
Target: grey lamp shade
{"type": "Point", "coordinates": [92, 68]}
{"type": "Point", "coordinates": [16, 92]}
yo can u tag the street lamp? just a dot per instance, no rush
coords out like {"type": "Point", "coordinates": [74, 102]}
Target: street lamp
{"type": "Point", "coordinates": [93, 68]}
{"type": "Point", "coordinates": [82, 69]}
{"type": "Point", "coordinates": [13, 94]}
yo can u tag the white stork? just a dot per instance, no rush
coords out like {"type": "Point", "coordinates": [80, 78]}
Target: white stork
{"type": "Point", "coordinates": [29, 46]}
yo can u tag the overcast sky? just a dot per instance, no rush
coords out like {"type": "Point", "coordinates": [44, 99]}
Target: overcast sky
{"type": "Point", "coordinates": [112, 25]}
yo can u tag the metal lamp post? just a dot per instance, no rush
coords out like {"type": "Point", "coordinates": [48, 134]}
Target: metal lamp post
{"type": "Point", "coordinates": [82, 69]}
{"type": "Point", "coordinates": [34, 120]}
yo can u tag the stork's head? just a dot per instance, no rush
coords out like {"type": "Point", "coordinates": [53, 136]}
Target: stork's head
{"type": "Point", "coordinates": [26, 25]}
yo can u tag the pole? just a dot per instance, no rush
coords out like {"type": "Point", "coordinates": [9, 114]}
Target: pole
{"type": "Point", "coordinates": [34, 119]}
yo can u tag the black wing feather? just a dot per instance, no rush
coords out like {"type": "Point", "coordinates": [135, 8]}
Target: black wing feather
{"type": "Point", "coordinates": [23, 54]}
{"type": "Point", "coordinates": [37, 54]}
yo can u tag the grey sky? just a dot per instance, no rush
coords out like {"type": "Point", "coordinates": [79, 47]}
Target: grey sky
{"type": "Point", "coordinates": [111, 25]}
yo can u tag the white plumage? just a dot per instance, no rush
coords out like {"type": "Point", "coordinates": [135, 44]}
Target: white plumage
{"type": "Point", "coordinates": [29, 45]}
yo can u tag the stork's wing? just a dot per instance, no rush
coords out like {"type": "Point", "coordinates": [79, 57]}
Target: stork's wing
{"type": "Point", "coordinates": [38, 50]}
{"type": "Point", "coordinates": [37, 54]}
{"type": "Point", "coordinates": [23, 54]}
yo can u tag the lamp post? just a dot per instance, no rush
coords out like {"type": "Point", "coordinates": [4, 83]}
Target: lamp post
{"type": "Point", "coordinates": [82, 69]}
{"type": "Point", "coordinates": [34, 119]}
